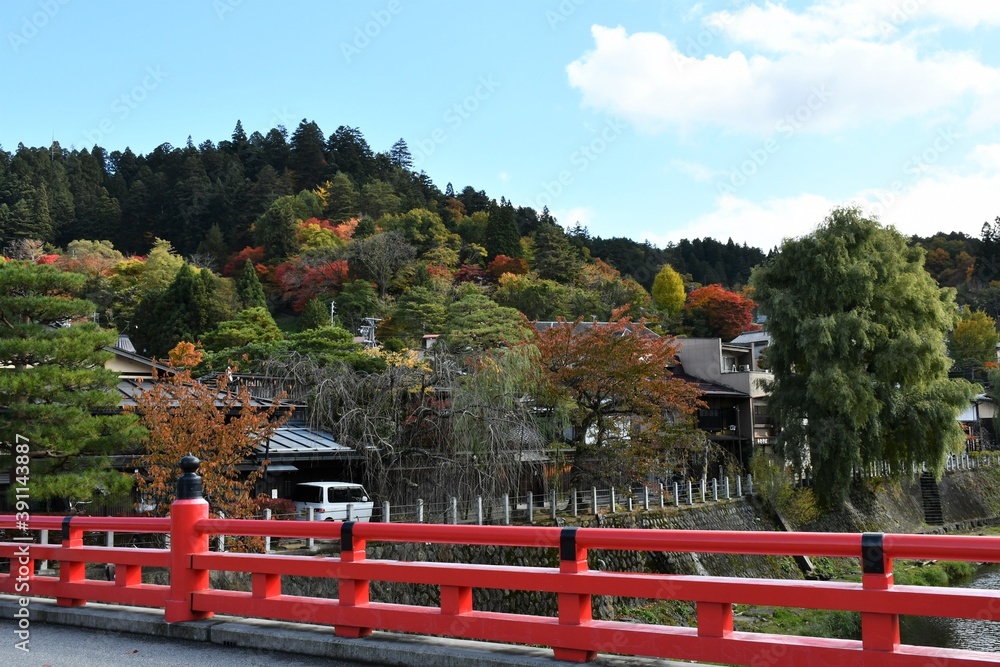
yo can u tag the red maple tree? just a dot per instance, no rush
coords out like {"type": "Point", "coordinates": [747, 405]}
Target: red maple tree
{"type": "Point", "coordinates": [714, 311]}
{"type": "Point", "coordinates": [627, 408]}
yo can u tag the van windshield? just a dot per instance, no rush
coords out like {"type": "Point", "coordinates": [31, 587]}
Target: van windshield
{"type": "Point", "coordinates": [352, 494]}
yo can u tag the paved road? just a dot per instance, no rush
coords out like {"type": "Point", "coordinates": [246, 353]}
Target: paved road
{"type": "Point", "coordinates": [64, 646]}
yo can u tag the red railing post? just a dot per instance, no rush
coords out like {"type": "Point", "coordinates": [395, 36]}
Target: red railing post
{"type": "Point", "coordinates": [879, 632]}
{"type": "Point", "coordinates": [185, 541]}
{"type": "Point", "coordinates": [574, 608]}
{"type": "Point", "coordinates": [352, 592]}
{"type": "Point", "coordinates": [71, 572]}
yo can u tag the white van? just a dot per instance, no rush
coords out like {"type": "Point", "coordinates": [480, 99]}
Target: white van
{"type": "Point", "coordinates": [330, 501]}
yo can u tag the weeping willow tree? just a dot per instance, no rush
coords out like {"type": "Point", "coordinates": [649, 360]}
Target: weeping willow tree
{"type": "Point", "coordinates": [858, 332]}
{"type": "Point", "coordinates": [444, 426]}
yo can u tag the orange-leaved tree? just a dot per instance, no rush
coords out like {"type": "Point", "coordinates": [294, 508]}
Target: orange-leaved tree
{"type": "Point", "coordinates": [628, 412]}
{"type": "Point", "coordinates": [218, 422]}
{"type": "Point", "coordinates": [714, 311]}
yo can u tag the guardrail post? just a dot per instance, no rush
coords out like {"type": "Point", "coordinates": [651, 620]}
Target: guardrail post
{"type": "Point", "coordinates": [385, 512]}
{"type": "Point", "coordinates": [311, 542]}
{"type": "Point", "coordinates": [690, 493]}
{"type": "Point", "coordinates": [593, 499]}
{"type": "Point", "coordinates": [739, 486]}
{"type": "Point", "coordinates": [612, 507]}
{"type": "Point", "coordinates": [879, 632]}
{"type": "Point", "coordinates": [531, 508]}
{"type": "Point", "coordinates": [727, 488]}
{"type": "Point", "coordinates": [70, 572]}
{"type": "Point", "coordinates": [574, 501]}
{"type": "Point", "coordinates": [552, 504]}
{"type": "Point", "coordinates": [267, 538]}
{"type": "Point", "coordinates": [420, 510]}
{"type": "Point", "coordinates": [109, 539]}
{"type": "Point", "coordinates": [44, 539]}
{"type": "Point", "coordinates": [353, 592]}
{"type": "Point", "coordinates": [715, 490]}
{"type": "Point", "coordinates": [479, 510]}
{"type": "Point", "coordinates": [677, 496]}
{"type": "Point", "coordinates": [702, 490]}
{"type": "Point", "coordinates": [506, 509]}
{"type": "Point", "coordinates": [661, 495]}
{"type": "Point", "coordinates": [454, 510]}
{"type": "Point", "coordinates": [645, 498]}
{"type": "Point", "coordinates": [574, 608]}
{"type": "Point", "coordinates": [185, 541]}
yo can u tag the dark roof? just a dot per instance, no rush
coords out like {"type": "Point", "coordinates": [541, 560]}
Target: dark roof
{"type": "Point", "coordinates": [706, 387]}
{"type": "Point", "coordinates": [130, 389]}
{"type": "Point", "coordinates": [298, 442]}
{"type": "Point", "coordinates": [583, 325]}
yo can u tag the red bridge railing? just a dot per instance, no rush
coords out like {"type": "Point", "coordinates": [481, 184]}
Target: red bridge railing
{"type": "Point", "coordinates": [573, 634]}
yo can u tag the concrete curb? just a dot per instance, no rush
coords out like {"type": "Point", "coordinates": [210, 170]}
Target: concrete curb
{"type": "Point", "coordinates": [382, 648]}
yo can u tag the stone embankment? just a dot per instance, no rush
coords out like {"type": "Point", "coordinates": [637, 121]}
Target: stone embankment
{"type": "Point", "coordinates": [968, 498]}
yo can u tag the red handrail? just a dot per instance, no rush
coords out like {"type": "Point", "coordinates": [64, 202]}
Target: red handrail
{"type": "Point", "coordinates": [573, 634]}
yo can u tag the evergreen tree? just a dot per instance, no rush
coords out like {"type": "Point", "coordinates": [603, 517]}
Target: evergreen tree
{"type": "Point", "coordinates": [181, 312]}
{"type": "Point", "coordinates": [307, 159]}
{"type": "Point", "coordinates": [214, 247]}
{"type": "Point", "coordinates": [555, 258]}
{"type": "Point", "coordinates": [400, 155]}
{"type": "Point", "coordinates": [58, 405]}
{"type": "Point", "coordinates": [357, 300]}
{"type": "Point", "coordinates": [342, 198]}
{"type": "Point", "coordinates": [501, 233]}
{"type": "Point", "coordinates": [858, 353]}
{"type": "Point", "coordinates": [315, 314]}
{"type": "Point", "coordinates": [249, 289]}
{"type": "Point", "coordinates": [275, 230]}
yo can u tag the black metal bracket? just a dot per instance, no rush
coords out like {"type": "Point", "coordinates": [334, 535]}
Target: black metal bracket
{"type": "Point", "coordinates": [65, 527]}
{"type": "Point", "coordinates": [872, 554]}
{"type": "Point", "coordinates": [567, 544]}
{"type": "Point", "coordinates": [347, 536]}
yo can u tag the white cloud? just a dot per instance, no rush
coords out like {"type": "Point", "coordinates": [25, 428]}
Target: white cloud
{"type": "Point", "coordinates": [503, 176]}
{"type": "Point", "coordinates": [762, 225]}
{"type": "Point", "coordinates": [939, 200]}
{"type": "Point", "coordinates": [835, 47]}
{"type": "Point", "coordinates": [698, 172]}
{"type": "Point", "coordinates": [569, 217]}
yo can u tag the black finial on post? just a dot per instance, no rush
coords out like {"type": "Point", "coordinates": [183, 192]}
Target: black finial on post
{"type": "Point", "coordinates": [189, 484]}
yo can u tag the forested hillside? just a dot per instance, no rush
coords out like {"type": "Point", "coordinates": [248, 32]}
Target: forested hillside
{"type": "Point", "coordinates": [316, 214]}
{"type": "Point", "coordinates": [327, 218]}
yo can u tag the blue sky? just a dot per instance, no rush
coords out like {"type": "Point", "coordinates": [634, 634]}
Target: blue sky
{"type": "Point", "coordinates": [653, 120]}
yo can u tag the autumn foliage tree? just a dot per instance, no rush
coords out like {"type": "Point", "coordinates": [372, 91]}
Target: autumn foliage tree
{"type": "Point", "coordinates": [716, 312]}
{"type": "Point", "coordinates": [219, 423]}
{"type": "Point", "coordinates": [300, 280]}
{"type": "Point", "coordinates": [626, 409]}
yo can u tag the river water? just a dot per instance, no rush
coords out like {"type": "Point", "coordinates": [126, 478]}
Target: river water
{"type": "Point", "coordinates": [955, 632]}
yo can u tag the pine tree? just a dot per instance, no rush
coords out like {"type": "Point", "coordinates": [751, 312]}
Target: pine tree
{"type": "Point", "coordinates": [502, 237]}
{"type": "Point", "coordinates": [214, 246]}
{"type": "Point", "coordinates": [56, 398]}
{"type": "Point", "coordinates": [315, 314]}
{"type": "Point", "coordinates": [248, 287]}
{"type": "Point", "coordinates": [275, 230]}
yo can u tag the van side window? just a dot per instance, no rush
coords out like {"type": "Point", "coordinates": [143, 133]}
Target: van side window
{"type": "Point", "coordinates": [307, 494]}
